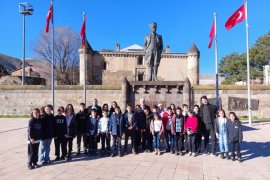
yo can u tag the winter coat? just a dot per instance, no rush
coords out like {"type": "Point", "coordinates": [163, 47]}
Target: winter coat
{"type": "Point", "coordinates": [60, 126]}
{"type": "Point", "coordinates": [235, 131]}
{"type": "Point", "coordinates": [115, 128]}
{"type": "Point", "coordinates": [47, 122]}
{"type": "Point", "coordinates": [82, 121]}
{"type": "Point", "coordinates": [34, 129]}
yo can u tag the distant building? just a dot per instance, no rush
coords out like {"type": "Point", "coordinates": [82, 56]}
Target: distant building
{"type": "Point", "coordinates": [110, 66]}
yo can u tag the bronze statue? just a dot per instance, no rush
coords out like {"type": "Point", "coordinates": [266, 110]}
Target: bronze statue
{"type": "Point", "coordinates": [153, 49]}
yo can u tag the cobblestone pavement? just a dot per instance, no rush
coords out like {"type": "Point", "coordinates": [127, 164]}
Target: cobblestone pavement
{"type": "Point", "coordinates": [255, 165]}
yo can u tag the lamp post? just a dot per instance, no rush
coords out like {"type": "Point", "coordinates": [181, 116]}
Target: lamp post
{"type": "Point", "coordinates": [24, 9]}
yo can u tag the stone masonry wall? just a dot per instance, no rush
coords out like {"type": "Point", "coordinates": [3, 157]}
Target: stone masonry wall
{"type": "Point", "coordinates": [21, 102]}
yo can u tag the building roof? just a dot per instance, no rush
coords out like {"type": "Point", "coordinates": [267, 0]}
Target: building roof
{"type": "Point", "coordinates": [133, 48]}
{"type": "Point", "coordinates": [193, 49]}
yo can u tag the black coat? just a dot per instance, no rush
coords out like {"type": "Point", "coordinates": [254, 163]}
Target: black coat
{"type": "Point", "coordinates": [72, 127]}
{"type": "Point", "coordinates": [34, 129]}
{"type": "Point", "coordinates": [235, 131]}
{"type": "Point", "coordinates": [47, 122]}
{"type": "Point", "coordinates": [140, 119]}
{"type": "Point", "coordinates": [133, 121]}
{"type": "Point", "coordinates": [98, 108]}
{"type": "Point", "coordinates": [212, 111]}
{"type": "Point", "coordinates": [60, 126]}
{"type": "Point", "coordinates": [82, 121]}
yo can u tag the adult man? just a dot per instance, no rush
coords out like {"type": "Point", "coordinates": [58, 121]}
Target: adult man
{"type": "Point", "coordinates": [95, 106]}
{"type": "Point", "coordinates": [208, 115]}
{"type": "Point", "coordinates": [153, 49]}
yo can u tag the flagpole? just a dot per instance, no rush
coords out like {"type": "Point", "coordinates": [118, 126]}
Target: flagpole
{"type": "Point", "coordinates": [216, 59]}
{"type": "Point", "coordinates": [248, 68]}
{"type": "Point", "coordinates": [85, 65]}
{"type": "Point", "coordinates": [53, 56]}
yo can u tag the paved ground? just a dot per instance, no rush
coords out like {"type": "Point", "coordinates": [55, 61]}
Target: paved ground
{"type": "Point", "coordinates": [255, 149]}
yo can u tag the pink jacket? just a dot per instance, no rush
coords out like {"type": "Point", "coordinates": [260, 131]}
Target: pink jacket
{"type": "Point", "coordinates": [192, 123]}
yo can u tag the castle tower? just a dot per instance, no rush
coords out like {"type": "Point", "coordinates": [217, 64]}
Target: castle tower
{"type": "Point", "coordinates": [193, 65]}
{"type": "Point", "coordinates": [86, 64]}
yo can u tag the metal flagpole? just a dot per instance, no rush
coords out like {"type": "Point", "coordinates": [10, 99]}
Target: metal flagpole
{"type": "Point", "coordinates": [216, 58]}
{"type": "Point", "coordinates": [53, 55]}
{"type": "Point", "coordinates": [85, 65]}
{"type": "Point", "coordinates": [248, 68]}
{"type": "Point", "coordinates": [23, 60]}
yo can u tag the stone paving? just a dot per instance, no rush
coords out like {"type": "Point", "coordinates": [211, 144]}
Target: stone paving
{"type": "Point", "coordinates": [255, 165]}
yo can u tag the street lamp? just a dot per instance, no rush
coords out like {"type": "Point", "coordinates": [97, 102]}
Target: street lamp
{"type": "Point", "coordinates": [24, 9]}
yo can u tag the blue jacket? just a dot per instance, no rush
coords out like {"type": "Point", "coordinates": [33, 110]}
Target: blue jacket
{"type": "Point", "coordinates": [92, 126]}
{"type": "Point", "coordinates": [117, 127]}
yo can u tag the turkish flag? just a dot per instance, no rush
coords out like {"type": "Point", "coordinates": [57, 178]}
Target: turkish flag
{"type": "Point", "coordinates": [212, 34]}
{"type": "Point", "coordinates": [83, 32]}
{"type": "Point", "coordinates": [237, 17]}
{"type": "Point", "coordinates": [49, 17]}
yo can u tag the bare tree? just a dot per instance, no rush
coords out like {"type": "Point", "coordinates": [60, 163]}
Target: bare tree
{"type": "Point", "coordinates": [66, 56]}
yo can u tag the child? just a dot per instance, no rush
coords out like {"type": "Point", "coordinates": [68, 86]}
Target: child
{"type": "Point", "coordinates": [221, 127]}
{"type": "Point", "coordinates": [117, 129]}
{"type": "Point", "coordinates": [82, 120]}
{"type": "Point", "coordinates": [34, 135]}
{"type": "Point", "coordinates": [167, 121]}
{"type": "Point", "coordinates": [147, 140]}
{"type": "Point", "coordinates": [71, 128]}
{"type": "Point", "coordinates": [191, 128]}
{"type": "Point", "coordinates": [196, 113]}
{"type": "Point", "coordinates": [60, 135]}
{"type": "Point", "coordinates": [103, 130]}
{"type": "Point", "coordinates": [47, 122]}
{"type": "Point", "coordinates": [235, 135]}
{"type": "Point", "coordinates": [131, 129]}
{"type": "Point", "coordinates": [156, 130]}
{"type": "Point", "coordinates": [177, 129]}
{"type": "Point", "coordinates": [185, 115]}
{"type": "Point", "coordinates": [92, 129]}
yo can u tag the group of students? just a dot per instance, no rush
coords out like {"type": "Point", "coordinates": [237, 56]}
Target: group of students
{"type": "Point", "coordinates": [180, 127]}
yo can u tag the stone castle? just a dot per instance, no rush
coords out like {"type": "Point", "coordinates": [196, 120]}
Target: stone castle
{"type": "Point", "coordinates": [110, 66]}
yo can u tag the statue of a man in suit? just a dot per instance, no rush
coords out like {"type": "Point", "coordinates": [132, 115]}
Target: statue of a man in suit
{"type": "Point", "coordinates": [153, 49]}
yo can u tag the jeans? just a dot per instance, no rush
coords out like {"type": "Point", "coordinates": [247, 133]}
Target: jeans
{"type": "Point", "coordinates": [223, 142]}
{"type": "Point", "coordinates": [169, 139]}
{"type": "Point", "coordinates": [156, 140]}
{"type": "Point", "coordinates": [33, 153]}
{"type": "Point", "coordinates": [179, 142]}
{"type": "Point", "coordinates": [81, 136]}
{"type": "Point", "coordinates": [44, 150]}
{"type": "Point", "coordinates": [116, 144]}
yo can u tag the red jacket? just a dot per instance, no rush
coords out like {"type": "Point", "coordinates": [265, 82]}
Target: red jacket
{"type": "Point", "coordinates": [192, 123]}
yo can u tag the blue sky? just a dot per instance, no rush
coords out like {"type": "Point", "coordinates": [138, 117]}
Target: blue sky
{"type": "Point", "coordinates": [180, 22]}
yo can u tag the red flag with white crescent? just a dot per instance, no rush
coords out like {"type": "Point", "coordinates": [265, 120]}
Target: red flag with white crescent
{"type": "Point", "coordinates": [238, 16]}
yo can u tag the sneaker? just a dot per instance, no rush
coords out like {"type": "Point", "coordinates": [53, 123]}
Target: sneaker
{"type": "Point", "coordinates": [172, 152]}
{"type": "Point", "coordinates": [30, 167]}
{"type": "Point", "coordinates": [213, 155]}
{"type": "Point", "coordinates": [57, 158]}
{"type": "Point", "coordinates": [193, 154]}
{"type": "Point", "coordinates": [227, 156]}
{"type": "Point", "coordinates": [177, 153]}
{"type": "Point", "coordinates": [85, 152]}
{"type": "Point", "coordinates": [44, 163]}
{"type": "Point", "coordinates": [190, 153]}
{"type": "Point", "coordinates": [112, 155]}
{"type": "Point", "coordinates": [62, 157]}
{"type": "Point", "coordinates": [159, 153]}
{"type": "Point", "coordinates": [181, 153]}
{"type": "Point", "coordinates": [36, 165]}
{"type": "Point", "coordinates": [222, 156]}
